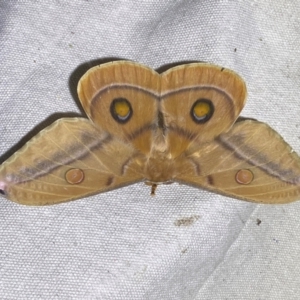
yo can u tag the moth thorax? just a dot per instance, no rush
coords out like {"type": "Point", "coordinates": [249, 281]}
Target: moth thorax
{"type": "Point", "coordinates": [159, 168]}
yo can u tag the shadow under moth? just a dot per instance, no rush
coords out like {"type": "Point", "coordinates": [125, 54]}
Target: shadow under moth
{"type": "Point", "coordinates": [178, 126]}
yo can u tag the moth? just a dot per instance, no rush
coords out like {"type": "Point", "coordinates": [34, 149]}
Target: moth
{"type": "Point", "coordinates": [178, 126]}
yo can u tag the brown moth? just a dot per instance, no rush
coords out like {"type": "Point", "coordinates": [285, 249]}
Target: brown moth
{"type": "Point", "coordinates": [178, 126]}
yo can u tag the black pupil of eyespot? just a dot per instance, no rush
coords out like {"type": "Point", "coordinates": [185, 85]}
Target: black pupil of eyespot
{"type": "Point", "coordinates": [121, 110]}
{"type": "Point", "coordinates": [202, 110]}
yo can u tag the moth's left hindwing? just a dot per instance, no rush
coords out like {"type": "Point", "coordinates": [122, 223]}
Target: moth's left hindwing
{"type": "Point", "coordinates": [122, 99]}
{"type": "Point", "coordinates": [68, 160]}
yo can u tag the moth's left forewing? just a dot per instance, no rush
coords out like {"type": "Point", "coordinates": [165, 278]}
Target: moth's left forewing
{"type": "Point", "coordinates": [250, 162]}
{"type": "Point", "coordinates": [68, 160]}
{"type": "Point", "coordinates": [199, 102]}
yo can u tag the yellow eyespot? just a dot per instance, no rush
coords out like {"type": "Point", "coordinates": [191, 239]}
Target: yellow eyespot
{"type": "Point", "coordinates": [74, 176]}
{"type": "Point", "coordinates": [244, 176]}
{"type": "Point", "coordinates": [202, 110]}
{"type": "Point", "coordinates": [121, 110]}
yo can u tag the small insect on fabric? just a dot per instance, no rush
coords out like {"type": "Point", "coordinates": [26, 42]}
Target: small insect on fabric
{"type": "Point", "coordinates": [178, 126]}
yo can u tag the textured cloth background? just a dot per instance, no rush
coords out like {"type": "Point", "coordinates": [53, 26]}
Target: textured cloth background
{"type": "Point", "coordinates": [126, 244]}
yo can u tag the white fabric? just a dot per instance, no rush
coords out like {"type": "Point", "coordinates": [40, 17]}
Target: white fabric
{"type": "Point", "coordinates": [126, 244]}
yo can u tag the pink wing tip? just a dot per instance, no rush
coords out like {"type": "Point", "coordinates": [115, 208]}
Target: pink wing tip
{"type": "Point", "coordinates": [2, 187]}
